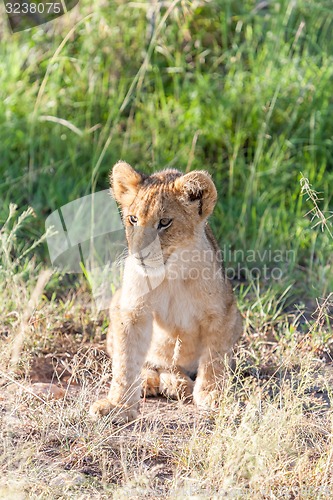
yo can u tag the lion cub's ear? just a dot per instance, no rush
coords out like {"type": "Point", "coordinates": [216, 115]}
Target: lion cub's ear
{"type": "Point", "coordinates": [197, 188]}
{"type": "Point", "coordinates": [125, 183]}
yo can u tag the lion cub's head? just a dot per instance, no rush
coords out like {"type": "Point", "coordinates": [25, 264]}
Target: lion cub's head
{"type": "Point", "coordinates": [162, 212]}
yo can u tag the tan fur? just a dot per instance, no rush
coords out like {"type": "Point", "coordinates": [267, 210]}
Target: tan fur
{"type": "Point", "coordinates": [175, 315]}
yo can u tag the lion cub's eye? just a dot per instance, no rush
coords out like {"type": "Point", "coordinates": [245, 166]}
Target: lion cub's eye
{"type": "Point", "coordinates": [164, 223]}
{"type": "Point", "coordinates": [133, 220]}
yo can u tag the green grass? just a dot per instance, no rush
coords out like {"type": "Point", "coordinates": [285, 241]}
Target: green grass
{"type": "Point", "coordinates": [244, 92]}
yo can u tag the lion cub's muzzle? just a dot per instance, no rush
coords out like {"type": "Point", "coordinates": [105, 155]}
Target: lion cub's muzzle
{"type": "Point", "coordinates": [145, 247]}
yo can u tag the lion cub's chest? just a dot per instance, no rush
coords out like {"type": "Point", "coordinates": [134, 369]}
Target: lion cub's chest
{"type": "Point", "coordinates": [176, 307]}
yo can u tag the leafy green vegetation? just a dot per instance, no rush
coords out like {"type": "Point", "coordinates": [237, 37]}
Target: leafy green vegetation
{"type": "Point", "coordinates": [239, 88]}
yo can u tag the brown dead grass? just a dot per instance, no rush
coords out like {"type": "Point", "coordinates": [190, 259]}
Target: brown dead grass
{"type": "Point", "coordinates": [271, 438]}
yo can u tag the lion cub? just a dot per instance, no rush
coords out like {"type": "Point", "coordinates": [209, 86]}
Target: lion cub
{"type": "Point", "coordinates": [175, 317]}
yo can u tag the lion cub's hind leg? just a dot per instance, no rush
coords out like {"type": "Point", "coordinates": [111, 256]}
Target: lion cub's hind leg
{"type": "Point", "coordinates": [175, 384]}
{"type": "Point", "coordinates": [172, 383]}
{"type": "Point", "coordinates": [150, 381]}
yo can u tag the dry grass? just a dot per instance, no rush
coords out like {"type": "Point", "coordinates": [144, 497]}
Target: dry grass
{"type": "Point", "coordinates": [271, 438]}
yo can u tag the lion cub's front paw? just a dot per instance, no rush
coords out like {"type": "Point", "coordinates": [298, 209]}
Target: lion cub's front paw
{"type": "Point", "coordinates": [208, 400]}
{"type": "Point", "coordinates": [120, 413]}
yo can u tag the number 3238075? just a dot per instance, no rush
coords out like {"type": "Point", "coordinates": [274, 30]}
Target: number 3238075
{"type": "Point", "coordinates": [33, 8]}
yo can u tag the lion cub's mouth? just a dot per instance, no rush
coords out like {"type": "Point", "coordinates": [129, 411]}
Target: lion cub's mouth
{"type": "Point", "coordinates": [150, 263]}
{"type": "Point", "coordinates": [148, 259]}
